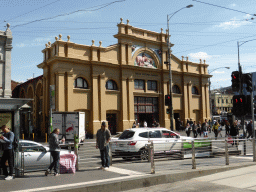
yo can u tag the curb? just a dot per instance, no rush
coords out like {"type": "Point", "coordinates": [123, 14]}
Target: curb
{"type": "Point", "coordinates": [149, 180]}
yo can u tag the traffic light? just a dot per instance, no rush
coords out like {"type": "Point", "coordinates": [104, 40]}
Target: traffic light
{"type": "Point", "coordinates": [168, 100]}
{"type": "Point", "coordinates": [235, 76]}
{"type": "Point", "coordinates": [239, 104]}
{"type": "Point", "coordinates": [168, 110]}
{"type": "Point", "coordinates": [248, 106]}
{"type": "Point", "coordinates": [247, 79]}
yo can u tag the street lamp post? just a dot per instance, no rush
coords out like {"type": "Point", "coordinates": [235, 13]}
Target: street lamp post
{"type": "Point", "coordinates": [209, 81]}
{"type": "Point", "coordinates": [169, 16]}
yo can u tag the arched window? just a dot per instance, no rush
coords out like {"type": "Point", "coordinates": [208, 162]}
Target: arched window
{"type": "Point", "coordinates": [195, 91]}
{"type": "Point", "coordinates": [176, 89]}
{"type": "Point", "coordinates": [111, 85]}
{"type": "Point", "coordinates": [81, 83]}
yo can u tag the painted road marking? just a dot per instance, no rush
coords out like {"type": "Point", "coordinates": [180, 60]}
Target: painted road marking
{"type": "Point", "coordinates": [77, 184]}
{"type": "Point", "coordinates": [124, 171]}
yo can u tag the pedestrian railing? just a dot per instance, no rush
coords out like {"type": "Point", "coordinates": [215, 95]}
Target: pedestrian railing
{"type": "Point", "coordinates": [199, 152]}
{"type": "Point", "coordinates": [37, 158]}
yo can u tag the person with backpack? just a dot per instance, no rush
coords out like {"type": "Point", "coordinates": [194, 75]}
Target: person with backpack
{"type": "Point", "coordinates": [7, 137]}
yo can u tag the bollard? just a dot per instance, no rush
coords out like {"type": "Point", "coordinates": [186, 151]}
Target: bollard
{"type": "Point", "coordinates": [150, 148]}
{"type": "Point", "coordinates": [76, 141]}
{"type": "Point", "coordinates": [226, 152]}
{"type": "Point", "coordinates": [244, 146]}
{"type": "Point", "coordinates": [22, 136]}
{"type": "Point", "coordinates": [253, 148]}
{"type": "Point", "coordinates": [193, 155]}
{"type": "Point", "coordinates": [33, 136]}
{"type": "Point", "coordinates": [45, 137]}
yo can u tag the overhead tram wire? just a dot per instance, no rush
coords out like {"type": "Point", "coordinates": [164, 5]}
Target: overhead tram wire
{"type": "Point", "coordinates": [8, 20]}
{"type": "Point", "coordinates": [224, 7]}
{"type": "Point", "coordinates": [233, 40]}
{"type": "Point", "coordinates": [65, 14]}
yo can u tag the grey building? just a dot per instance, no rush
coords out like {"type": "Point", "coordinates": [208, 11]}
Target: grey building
{"type": "Point", "coordinates": [5, 62]}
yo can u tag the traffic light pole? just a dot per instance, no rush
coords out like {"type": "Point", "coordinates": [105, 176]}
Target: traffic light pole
{"type": "Point", "coordinates": [241, 93]}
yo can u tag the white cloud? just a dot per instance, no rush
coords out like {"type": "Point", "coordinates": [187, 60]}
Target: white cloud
{"type": "Point", "coordinates": [234, 23]}
{"type": "Point", "coordinates": [219, 72]}
{"type": "Point", "coordinates": [233, 5]}
{"type": "Point", "coordinates": [35, 42]}
{"type": "Point", "coordinates": [247, 16]}
{"type": "Point", "coordinates": [199, 55]}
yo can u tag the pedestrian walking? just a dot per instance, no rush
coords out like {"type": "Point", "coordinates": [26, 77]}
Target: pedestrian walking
{"type": "Point", "coordinates": [215, 128]}
{"type": "Point", "coordinates": [199, 131]}
{"type": "Point", "coordinates": [249, 129]}
{"type": "Point", "coordinates": [204, 128]}
{"type": "Point", "coordinates": [7, 137]}
{"type": "Point", "coordinates": [227, 128]}
{"type": "Point", "coordinates": [134, 125]}
{"type": "Point", "coordinates": [219, 130]}
{"type": "Point", "coordinates": [54, 144]}
{"type": "Point", "coordinates": [178, 124]}
{"type": "Point", "coordinates": [102, 143]}
{"type": "Point", "coordinates": [188, 129]}
{"type": "Point", "coordinates": [234, 131]}
{"type": "Point", "coordinates": [194, 129]}
{"type": "Point", "coordinates": [145, 124]}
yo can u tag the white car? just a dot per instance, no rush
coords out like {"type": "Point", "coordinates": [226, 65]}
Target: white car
{"type": "Point", "coordinates": [132, 142]}
{"type": "Point", "coordinates": [36, 156]}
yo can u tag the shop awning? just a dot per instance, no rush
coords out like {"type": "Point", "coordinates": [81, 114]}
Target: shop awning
{"type": "Point", "coordinates": [12, 104]}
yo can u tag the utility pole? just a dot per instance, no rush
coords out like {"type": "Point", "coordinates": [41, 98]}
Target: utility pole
{"type": "Point", "coordinates": [169, 52]}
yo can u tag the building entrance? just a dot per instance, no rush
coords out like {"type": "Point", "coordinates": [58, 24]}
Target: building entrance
{"type": "Point", "coordinates": [111, 118]}
{"type": "Point", "coordinates": [146, 109]}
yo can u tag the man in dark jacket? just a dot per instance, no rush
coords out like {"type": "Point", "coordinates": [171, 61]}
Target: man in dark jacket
{"type": "Point", "coordinates": [234, 131]}
{"type": "Point", "coordinates": [7, 138]}
{"type": "Point", "coordinates": [55, 152]}
{"type": "Point", "coordinates": [102, 143]}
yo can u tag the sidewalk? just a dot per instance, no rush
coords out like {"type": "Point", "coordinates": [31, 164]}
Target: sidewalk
{"type": "Point", "coordinates": [118, 178]}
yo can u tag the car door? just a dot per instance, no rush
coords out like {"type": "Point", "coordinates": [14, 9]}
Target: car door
{"type": "Point", "coordinates": [156, 137]}
{"type": "Point", "coordinates": [35, 157]}
{"type": "Point", "coordinates": [172, 141]}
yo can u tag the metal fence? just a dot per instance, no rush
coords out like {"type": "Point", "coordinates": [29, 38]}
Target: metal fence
{"type": "Point", "coordinates": [37, 158]}
{"type": "Point", "coordinates": [195, 152]}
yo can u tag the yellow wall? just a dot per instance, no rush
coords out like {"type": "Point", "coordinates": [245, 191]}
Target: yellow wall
{"type": "Point", "coordinates": [97, 65]}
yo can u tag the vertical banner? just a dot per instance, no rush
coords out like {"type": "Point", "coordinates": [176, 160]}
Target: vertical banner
{"type": "Point", "coordinates": [52, 96]}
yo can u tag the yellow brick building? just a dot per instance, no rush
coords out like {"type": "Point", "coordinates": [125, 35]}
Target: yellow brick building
{"type": "Point", "coordinates": [123, 83]}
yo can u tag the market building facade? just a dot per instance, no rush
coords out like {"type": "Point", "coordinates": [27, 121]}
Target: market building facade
{"type": "Point", "coordinates": [122, 83]}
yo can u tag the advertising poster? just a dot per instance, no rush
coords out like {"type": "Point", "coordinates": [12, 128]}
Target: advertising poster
{"type": "Point", "coordinates": [6, 119]}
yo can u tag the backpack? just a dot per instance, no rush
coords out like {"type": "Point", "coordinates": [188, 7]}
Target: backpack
{"type": "Point", "coordinates": [15, 143]}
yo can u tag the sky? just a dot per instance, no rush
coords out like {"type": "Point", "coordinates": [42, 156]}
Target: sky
{"type": "Point", "coordinates": [209, 30]}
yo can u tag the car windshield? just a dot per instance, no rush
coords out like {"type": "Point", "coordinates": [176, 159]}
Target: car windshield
{"type": "Point", "coordinates": [127, 134]}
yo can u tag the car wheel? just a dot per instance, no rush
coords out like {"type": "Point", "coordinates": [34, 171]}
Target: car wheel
{"type": "Point", "coordinates": [144, 154]}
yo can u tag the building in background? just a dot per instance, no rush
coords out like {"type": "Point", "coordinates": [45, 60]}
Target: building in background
{"type": "Point", "coordinates": [9, 107]}
{"type": "Point", "coordinates": [121, 83]}
{"type": "Point", "coordinates": [221, 102]}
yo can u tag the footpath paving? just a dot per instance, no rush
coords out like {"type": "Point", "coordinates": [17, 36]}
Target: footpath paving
{"type": "Point", "coordinates": [115, 179]}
